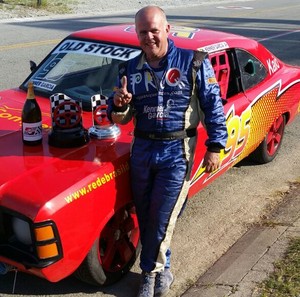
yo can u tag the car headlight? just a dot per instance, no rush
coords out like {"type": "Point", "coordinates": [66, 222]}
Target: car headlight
{"type": "Point", "coordinates": [42, 236]}
{"type": "Point", "coordinates": [22, 231]}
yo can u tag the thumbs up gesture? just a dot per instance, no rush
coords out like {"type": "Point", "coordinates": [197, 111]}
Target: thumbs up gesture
{"type": "Point", "coordinates": [121, 96]}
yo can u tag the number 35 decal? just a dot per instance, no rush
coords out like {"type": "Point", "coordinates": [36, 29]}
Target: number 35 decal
{"type": "Point", "coordinates": [238, 128]}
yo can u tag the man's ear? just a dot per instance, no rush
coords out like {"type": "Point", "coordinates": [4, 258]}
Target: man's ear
{"type": "Point", "coordinates": [168, 28]}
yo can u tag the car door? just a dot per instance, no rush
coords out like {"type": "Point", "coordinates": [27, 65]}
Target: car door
{"type": "Point", "coordinates": [237, 111]}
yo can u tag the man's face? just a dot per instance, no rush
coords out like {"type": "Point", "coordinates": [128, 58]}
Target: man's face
{"type": "Point", "coordinates": [152, 31]}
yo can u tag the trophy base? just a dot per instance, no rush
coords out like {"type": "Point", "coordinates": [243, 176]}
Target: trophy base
{"type": "Point", "coordinates": [105, 132]}
{"type": "Point", "coordinates": [68, 138]}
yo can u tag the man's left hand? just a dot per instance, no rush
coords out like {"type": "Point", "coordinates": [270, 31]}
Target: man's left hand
{"type": "Point", "coordinates": [211, 161]}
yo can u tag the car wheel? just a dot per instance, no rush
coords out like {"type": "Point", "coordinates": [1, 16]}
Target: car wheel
{"type": "Point", "coordinates": [269, 147]}
{"type": "Point", "coordinates": [115, 250]}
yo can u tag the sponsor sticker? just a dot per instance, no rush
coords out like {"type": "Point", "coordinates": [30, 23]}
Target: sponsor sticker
{"type": "Point", "coordinates": [44, 85]}
{"type": "Point", "coordinates": [214, 47]}
{"type": "Point", "coordinates": [212, 80]}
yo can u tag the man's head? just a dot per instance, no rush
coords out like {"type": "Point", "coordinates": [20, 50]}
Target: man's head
{"type": "Point", "coordinates": [152, 30]}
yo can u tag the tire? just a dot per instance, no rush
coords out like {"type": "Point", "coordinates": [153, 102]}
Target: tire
{"type": "Point", "coordinates": [270, 146]}
{"type": "Point", "coordinates": [114, 251]}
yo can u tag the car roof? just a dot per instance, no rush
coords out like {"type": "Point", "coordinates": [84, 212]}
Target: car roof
{"type": "Point", "coordinates": [184, 37]}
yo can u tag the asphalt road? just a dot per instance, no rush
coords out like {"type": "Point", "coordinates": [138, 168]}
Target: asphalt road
{"type": "Point", "coordinates": [222, 212]}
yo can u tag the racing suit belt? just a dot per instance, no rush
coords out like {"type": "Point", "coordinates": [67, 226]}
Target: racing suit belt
{"type": "Point", "coordinates": [165, 135]}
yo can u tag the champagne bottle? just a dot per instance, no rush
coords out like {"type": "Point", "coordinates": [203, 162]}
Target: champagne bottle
{"type": "Point", "coordinates": [31, 119]}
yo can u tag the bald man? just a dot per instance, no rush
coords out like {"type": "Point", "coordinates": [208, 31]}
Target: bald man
{"type": "Point", "coordinates": [156, 89]}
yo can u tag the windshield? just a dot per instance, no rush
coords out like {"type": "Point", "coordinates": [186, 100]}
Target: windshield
{"type": "Point", "coordinates": [81, 69]}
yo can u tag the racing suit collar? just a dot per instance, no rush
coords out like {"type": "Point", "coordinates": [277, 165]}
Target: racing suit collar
{"type": "Point", "coordinates": [164, 61]}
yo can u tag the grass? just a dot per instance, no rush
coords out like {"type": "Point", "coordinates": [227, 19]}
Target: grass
{"type": "Point", "coordinates": [285, 280]}
{"type": "Point", "coordinates": [53, 6]}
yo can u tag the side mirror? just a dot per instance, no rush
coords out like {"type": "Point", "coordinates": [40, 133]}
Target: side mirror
{"type": "Point", "coordinates": [32, 65]}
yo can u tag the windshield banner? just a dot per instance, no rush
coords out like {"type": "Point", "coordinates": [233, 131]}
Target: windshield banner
{"type": "Point", "coordinates": [97, 49]}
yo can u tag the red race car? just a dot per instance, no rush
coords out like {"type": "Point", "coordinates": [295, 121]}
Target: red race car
{"type": "Point", "coordinates": [66, 205]}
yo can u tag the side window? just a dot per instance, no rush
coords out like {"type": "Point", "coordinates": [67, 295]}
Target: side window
{"type": "Point", "coordinates": [226, 72]}
{"type": "Point", "coordinates": [251, 69]}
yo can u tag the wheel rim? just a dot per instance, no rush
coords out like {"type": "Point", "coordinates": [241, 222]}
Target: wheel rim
{"type": "Point", "coordinates": [119, 240]}
{"type": "Point", "coordinates": [274, 137]}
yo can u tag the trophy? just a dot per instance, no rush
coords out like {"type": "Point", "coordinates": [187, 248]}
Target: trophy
{"type": "Point", "coordinates": [102, 127]}
{"type": "Point", "coordinates": [67, 129]}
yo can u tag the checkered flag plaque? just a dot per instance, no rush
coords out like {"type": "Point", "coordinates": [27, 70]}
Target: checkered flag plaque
{"type": "Point", "coordinates": [99, 108]}
{"type": "Point", "coordinates": [66, 112]}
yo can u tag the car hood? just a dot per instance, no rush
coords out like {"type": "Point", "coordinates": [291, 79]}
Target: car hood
{"type": "Point", "coordinates": [31, 177]}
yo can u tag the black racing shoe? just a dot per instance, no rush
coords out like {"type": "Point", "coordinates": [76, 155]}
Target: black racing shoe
{"type": "Point", "coordinates": [163, 282]}
{"type": "Point", "coordinates": [147, 284]}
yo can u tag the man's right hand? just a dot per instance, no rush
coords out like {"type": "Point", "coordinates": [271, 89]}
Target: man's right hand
{"type": "Point", "coordinates": [121, 96]}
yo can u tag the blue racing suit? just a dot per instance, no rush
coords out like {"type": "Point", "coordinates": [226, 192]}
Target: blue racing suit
{"type": "Point", "coordinates": [166, 106]}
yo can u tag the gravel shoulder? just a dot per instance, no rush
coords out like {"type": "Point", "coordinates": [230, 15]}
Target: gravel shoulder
{"type": "Point", "coordinates": [93, 7]}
